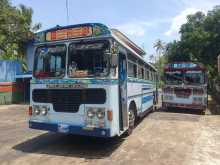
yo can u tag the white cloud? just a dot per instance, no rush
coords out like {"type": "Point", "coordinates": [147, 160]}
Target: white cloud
{"type": "Point", "coordinates": [132, 29]}
{"type": "Point", "coordinates": [178, 20]}
{"type": "Point", "coordinates": [191, 7]}
{"type": "Point", "coordinates": [138, 28]}
{"type": "Point", "coordinates": [203, 5]}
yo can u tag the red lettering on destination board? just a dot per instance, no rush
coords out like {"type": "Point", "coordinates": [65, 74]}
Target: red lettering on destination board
{"type": "Point", "coordinates": [69, 33]}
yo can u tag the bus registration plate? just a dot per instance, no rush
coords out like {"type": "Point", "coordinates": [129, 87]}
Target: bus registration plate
{"type": "Point", "coordinates": [63, 128]}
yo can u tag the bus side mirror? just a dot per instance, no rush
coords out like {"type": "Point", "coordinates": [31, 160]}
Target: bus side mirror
{"type": "Point", "coordinates": [114, 61]}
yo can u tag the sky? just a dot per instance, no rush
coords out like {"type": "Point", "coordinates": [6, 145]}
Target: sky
{"type": "Point", "coordinates": [143, 21]}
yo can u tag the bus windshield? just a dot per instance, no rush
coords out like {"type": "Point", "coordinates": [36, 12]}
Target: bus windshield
{"type": "Point", "coordinates": [194, 78]}
{"type": "Point", "coordinates": [88, 59]}
{"type": "Point", "coordinates": [50, 61]}
{"type": "Point", "coordinates": [174, 77]}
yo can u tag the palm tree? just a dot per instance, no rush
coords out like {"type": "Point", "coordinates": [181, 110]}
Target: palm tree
{"type": "Point", "coordinates": [151, 58]}
{"type": "Point", "coordinates": [159, 45]}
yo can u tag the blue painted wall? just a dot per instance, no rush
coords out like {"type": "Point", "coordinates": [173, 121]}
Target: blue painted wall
{"type": "Point", "coordinates": [9, 69]}
{"type": "Point", "coordinates": [30, 56]}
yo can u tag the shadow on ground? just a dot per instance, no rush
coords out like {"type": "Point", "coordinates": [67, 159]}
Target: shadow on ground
{"type": "Point", "coordinates": [185, 111]}
{"type": "Point", "coordinates": [214, 106]}
{"type": "Point", "coordinates": [70, 145]}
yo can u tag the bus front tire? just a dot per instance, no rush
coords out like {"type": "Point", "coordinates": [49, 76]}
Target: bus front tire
{"type": "Point", "coordinates": [131, 118]}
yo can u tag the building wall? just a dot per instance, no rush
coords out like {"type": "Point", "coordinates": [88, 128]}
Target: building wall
{"type": "Point", "coordinates": [30, 56]}
{"type": "Point", "coordinates": [8, 70]}
{"type": "Point", "coordinates": [10, 91]}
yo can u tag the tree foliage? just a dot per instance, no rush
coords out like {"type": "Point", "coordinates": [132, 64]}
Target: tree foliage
{"type": "Point", "coordinates": [159, 45]}
{"type": "Point", "coordinates": [16, 29]}
{"type": "Point", "coordinates": [161, 60]}
{"type": "Point", "coordinates": [199, 40]}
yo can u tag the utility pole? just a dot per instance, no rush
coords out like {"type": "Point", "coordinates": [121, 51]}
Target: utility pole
{"type": "Point", "coordinates": [67, 12]}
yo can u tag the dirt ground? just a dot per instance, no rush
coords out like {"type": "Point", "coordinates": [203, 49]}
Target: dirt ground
{"type": "Point", "coordinates": [161, 138]}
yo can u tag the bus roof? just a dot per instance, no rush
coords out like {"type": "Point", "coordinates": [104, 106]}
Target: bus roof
{"type": "Point", "coordinates": [120, 36]}
{"type": "Point", "coordinates": [87, 30]}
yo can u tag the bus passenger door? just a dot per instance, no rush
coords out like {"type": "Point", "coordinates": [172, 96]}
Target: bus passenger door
{"type": "Point", "coordinates": [123, 112]}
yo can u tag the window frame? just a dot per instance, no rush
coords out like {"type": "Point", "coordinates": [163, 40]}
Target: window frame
{"type": "Point", "coordinates": [88, 42]}
{"type": "Point", "coordinates": [36, 62]}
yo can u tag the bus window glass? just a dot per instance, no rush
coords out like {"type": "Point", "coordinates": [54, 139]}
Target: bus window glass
{"type": "Point", "coordinates": [153, 76]}
{"type": "Point", "coordinates": [140, 72]}
{"type": "Point", "coordinates": [194, 78]}
{"type": "Point", "coordinates": [50, 61]}
{"type": "Point", "coordinates": [147, 75]}
{"type": "Point", "coordinates": [174, 77]}
{"type": "Point", "coordinates": [132, 70]}
{"type": "Point", "coordinates": [88, 59]}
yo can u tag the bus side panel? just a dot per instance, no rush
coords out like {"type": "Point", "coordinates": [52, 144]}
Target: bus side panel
{"type": "Point", "coordinates": [135, 94]}
{"type": "Point", "coordinates": [142, 94]}
{"type": "Point", "coordinates": [147, 98]}
{"type": "Point", "coordinates": [114, 106]}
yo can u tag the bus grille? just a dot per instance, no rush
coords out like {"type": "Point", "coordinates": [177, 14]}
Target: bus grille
{"type": "Point", "coordinates": [69, 100]}
{"type": "Point", "coordinates": [182, 93]}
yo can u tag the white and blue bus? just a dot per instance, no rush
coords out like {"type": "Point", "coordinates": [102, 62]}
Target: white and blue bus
{"type": "Point", "coordinates": [89, 80]}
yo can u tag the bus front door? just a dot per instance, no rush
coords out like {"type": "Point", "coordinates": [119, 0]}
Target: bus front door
{"type": "Point", "coordinates": [123, 112]}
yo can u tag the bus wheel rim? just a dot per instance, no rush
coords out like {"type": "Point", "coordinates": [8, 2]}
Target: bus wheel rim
{"type": "Point", "coordinates": [131, 119]}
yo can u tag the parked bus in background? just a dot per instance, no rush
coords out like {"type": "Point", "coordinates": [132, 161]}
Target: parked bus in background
{"type": "Point", "coordinates": [89, 80]}
{"type": "Point", "coordinates": [185, 86]}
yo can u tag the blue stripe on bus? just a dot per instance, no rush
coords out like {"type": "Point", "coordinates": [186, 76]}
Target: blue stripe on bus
{"type": "Point", "coordinates": [147, 88]}
{"type": "Point", "coordinates": [140, 81]}
{"type": "Point", "coordinates": [78, 130]}
{"type": "Point", "coordinates": [86, 81]}
{"type": "Point", "coordinates": [76, 81]}
{"type": "Point", "coordinates": [146, 99]}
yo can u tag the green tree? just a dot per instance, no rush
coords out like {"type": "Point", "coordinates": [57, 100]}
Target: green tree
{"type": "Point", "coordinates": [16, 29]}
{"type": "Point", "coordinates": [160, 61]}
{"type": "Point", "coordinates": [159, 46]}
{"type": "Point", "coordinates": [199, 40]}
{"type": "Point", "coordinates": [175, 51]}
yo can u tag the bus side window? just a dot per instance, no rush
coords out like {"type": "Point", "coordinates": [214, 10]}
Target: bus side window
{"type": "Point", "coordinates": [153, 76]}
{"type": "Point", "coordinates": [132, 70]}
{"type": "Point", "coordinates": [135, 70]}
{"type": "Point", "coordinates": [140, 72]}
{"type": "Point", "coordinates": [147, 75]}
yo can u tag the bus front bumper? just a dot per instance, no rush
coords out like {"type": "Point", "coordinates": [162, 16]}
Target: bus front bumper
{"type": "Point", "coordinates": [70, 129]}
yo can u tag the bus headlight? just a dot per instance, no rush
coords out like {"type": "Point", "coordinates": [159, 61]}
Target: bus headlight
{"type": "Point", "coordinates": [100, 113]}
{"type": "Point", "coordinates": [95, 117]}
{"type": "Point", "coordinates": [90, 113]}
{"type": "Point", "coordinates": [44, 110]}
{"type": "Point", "coordinates": [36, 110]}
{"type": "Point", "coordinates": [39, 109]}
